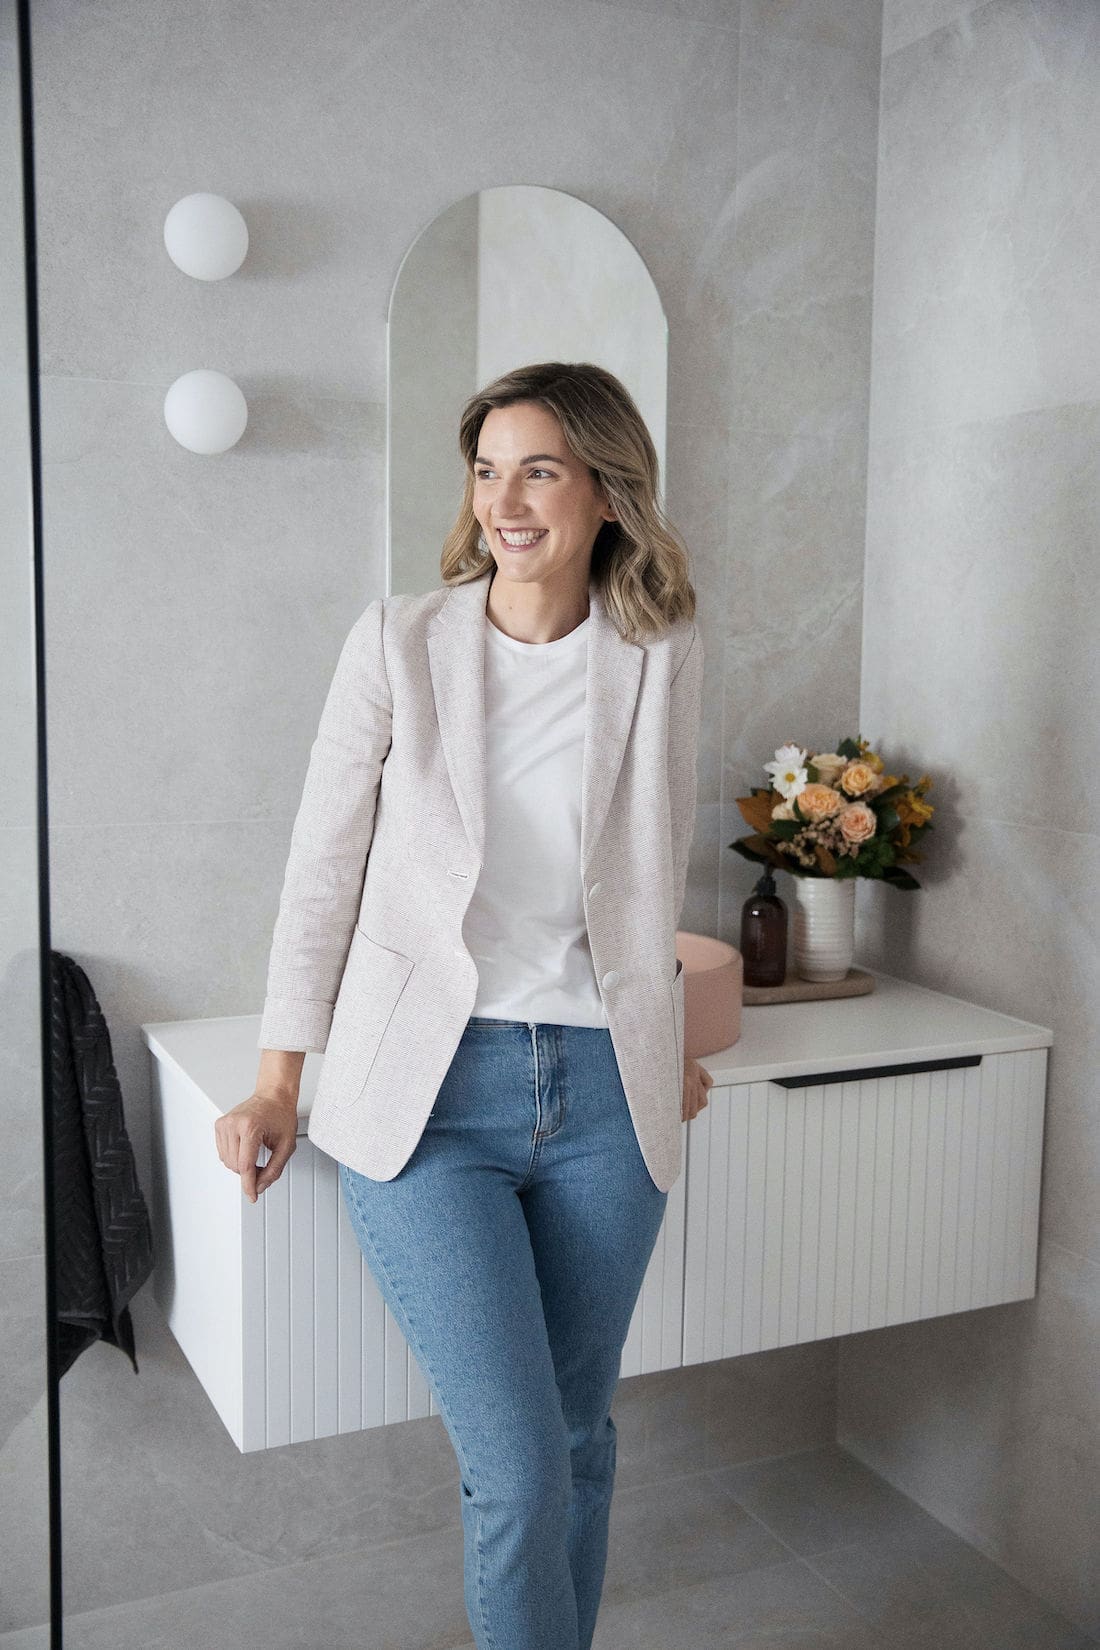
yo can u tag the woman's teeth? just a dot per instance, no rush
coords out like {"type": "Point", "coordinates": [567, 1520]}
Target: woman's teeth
{"type": "Point", "coordinates": [520, 541]}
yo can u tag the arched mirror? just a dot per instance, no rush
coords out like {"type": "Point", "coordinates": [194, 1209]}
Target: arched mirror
{"type": "Point", "coordinates": [503, 277]}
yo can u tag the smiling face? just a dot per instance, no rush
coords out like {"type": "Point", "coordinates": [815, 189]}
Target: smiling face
{"type": "Point", "coordinates": [531, 489]}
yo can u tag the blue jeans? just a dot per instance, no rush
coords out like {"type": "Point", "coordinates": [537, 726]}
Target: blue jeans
{"type": "Point", "coordinates": [511, 1250]}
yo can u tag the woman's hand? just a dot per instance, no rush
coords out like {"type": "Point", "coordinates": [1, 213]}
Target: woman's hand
{"type": "Point", "coordinates": [696, 1083]}
{"type": "Point", "coordinates": [261, 1120]}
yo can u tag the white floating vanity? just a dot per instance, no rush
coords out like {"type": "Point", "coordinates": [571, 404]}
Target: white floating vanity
{"type": "Point", "coordinates": [862, 1161]}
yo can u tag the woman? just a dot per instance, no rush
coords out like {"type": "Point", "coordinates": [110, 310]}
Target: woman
{"type": "Point", "coordinates": [497, 817]}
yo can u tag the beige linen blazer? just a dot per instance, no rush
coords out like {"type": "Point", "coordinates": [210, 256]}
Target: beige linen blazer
{"type": "Point", "coordinates": [367, 958]}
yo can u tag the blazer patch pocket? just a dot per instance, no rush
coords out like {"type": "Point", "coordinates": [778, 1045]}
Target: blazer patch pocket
{"type": "Point", "coordinates": [678, 1020]}
{"type": "Point", "coordinates": [373, 980]}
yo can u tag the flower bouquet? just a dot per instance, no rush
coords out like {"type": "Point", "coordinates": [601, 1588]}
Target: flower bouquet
{"type": "Point", "coordinates": [836, 814]}
{"type": "Point", "coordinates": [828, 818]}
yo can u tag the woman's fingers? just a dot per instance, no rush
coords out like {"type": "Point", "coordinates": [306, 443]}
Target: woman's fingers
{"type": "Point", "coordinates": [696, 1083]}
{"type": "Point", "coordinates": [275, 1165]}
{"type": "Point", "coordinates": [255, 1180]}
{"type": "Point", "coordinates": [246, 1166]}
{"type": "Point", "coordinates": [256, 1122]}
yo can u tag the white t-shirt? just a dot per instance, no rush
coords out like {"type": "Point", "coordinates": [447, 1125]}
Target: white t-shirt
{"type": "Point", "coordinates": [525, 924]}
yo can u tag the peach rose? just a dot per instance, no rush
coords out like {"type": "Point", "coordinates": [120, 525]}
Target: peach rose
{"type": "Point", "coordinates": [829, 766]}
{"type": "Point", "coordinates": [857, 822]}
{"type": "Point", "coordinates": [819, 801]}
{"type": "Point", "coordinates": [858, 778]}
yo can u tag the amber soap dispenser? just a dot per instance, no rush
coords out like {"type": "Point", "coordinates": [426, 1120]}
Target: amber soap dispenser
{"type": "Point", "coordinates": [764, 934]}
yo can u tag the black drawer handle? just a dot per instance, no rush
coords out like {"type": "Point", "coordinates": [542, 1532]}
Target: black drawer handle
{"type": "Point", "coordinates": [876, 1071]}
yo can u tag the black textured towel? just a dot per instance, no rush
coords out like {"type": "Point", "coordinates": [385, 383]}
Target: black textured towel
{"type": "Point", "coordinates": [104, 1238]}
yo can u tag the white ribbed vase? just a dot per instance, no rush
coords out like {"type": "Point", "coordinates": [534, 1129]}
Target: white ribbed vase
{"type": "Point", "coordinates": [824, 927]}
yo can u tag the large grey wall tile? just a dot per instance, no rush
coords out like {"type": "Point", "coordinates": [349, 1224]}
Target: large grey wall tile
{"type": "Point", "coordinates": [1070, 1206]}
{"type": "Point", "coordinates": [981, 580]}
{"type": "Point", "coordinates": [987, 229]}
{"type": "Point", "coordinates": [978, 927]}
{"type": "Point", "coordinates": [722, 13]}
{"type": "Point", "coordinates": [191, 629]}
{"type": "Point", "coordinates": [799, 362]}
{"type": "Point", "coordinates": [22, 1224]}
{"type": "Point", "coordinates": [803, 265]}
{"type": "Point", "coordinates": [905, 21]}
{"type": "Point", "coordinates": [169, 922]}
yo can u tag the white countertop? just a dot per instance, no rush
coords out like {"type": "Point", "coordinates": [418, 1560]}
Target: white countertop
{"type": "Point", "coordinates": [896, 1022]}
{"type": "Point", "coordinates": [219, 1058]}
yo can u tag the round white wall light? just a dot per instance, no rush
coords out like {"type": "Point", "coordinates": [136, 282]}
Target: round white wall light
{"type": "Point", "coordinates": [206, 236]}
{"type": "Point", "coordinates": [205, 411]}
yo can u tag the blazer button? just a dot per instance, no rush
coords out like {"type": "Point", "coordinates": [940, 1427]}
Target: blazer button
{"type": "Point", "coordinates": [595, 888]}
{"type": "Point", "coordinates": [612, 977]}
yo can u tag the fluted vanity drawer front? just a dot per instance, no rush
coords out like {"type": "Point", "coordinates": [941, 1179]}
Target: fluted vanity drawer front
{"type": "Point", "coordinates": [841, 1206]}
{"type": "Point", "coordinates": [322, 1352]}
{"type": "Point", "coordinates": [656, 1334]}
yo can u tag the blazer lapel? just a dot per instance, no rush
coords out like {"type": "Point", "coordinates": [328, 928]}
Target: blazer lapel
{"type": "Point", "coordinates": [456, 657]}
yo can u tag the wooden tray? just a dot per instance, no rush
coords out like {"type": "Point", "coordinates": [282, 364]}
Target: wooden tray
{"type": "Point", "coordinates": [856, 983]}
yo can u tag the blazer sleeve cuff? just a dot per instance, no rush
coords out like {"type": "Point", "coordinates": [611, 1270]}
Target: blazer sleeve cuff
{"type": "Point", "coordinates": [295, 1023]}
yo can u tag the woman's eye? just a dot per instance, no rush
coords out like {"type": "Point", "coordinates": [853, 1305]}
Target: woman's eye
{"type": "Point", "coordinates": [481, 474]}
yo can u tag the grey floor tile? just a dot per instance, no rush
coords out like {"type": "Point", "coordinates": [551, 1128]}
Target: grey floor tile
{"type": "Point", "coordinates": [823, 1498]}
{"type": "Point", "coordinates": [674, 1421]}
{"type": "Point", "coordinates": [681, 1532]}
{"type": "Point", "coordinates": [404, 1596]}
{"type": "Point", "coordinates": [778, 1607]}
{"type": "Point", "coordinates": [932, 1584]}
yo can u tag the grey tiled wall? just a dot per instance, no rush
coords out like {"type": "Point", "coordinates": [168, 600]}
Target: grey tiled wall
{"type": "Point", "coordinates": [980, 662]}
{"type": "Point", "coordinates": [195, 606]}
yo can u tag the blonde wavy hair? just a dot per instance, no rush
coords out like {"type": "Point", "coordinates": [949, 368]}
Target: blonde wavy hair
{"type": "Point", "coordinates": [639, 562]}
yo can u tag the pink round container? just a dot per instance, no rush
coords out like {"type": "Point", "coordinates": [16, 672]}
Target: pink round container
{"type": "Point", "coordinates": [713, 976]}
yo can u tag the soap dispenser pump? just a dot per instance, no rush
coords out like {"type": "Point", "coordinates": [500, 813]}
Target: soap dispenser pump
{"type": "Point", "coordinates": [764, 934]}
